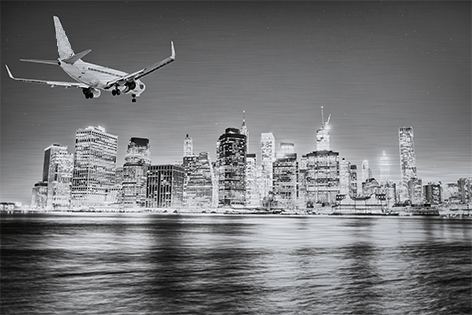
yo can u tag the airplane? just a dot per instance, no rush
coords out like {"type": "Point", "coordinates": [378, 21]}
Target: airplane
{"type": "Point", "coordinates": [91, 77]}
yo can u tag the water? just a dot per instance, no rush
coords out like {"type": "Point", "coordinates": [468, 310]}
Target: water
{"type": "Point", "coordinates": [189, 264]}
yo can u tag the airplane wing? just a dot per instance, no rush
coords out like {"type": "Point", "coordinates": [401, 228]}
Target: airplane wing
{"type": "Point", "coordinates": [145, 71]}
{"type": "Point", "coordinates": [51, 83]}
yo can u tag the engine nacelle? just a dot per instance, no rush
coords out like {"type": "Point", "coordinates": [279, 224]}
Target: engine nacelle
{"type": "Point", "coordinates": [136, 87]}
{"type": "Point", "coordinates": [91, 92]}
{"type": "Point", "coordinates": [96, 92]}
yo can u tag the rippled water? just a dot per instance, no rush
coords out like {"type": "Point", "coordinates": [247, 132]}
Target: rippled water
{"type": "Point", "coordinates": [189, 264]}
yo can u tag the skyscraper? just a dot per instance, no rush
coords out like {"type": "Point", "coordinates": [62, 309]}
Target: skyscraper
{"type": "Point", "coordinates": [188, 146]}
{"type": "Point", "coordinates": [285, 183]}
{"type": "Point", "coordinates": [137, 160]}
{"type": "Point", "coordinates": [267, 160]}
{"type": "Point", "coordinates": [322, 134]}
{"type": "Point", "coordinates": [407, 160]}
{"type": "Point", "coordinates": [365, 170]}
{"type": "Point", "coordinates": [165, 185]}
{"type": "Point", "coordinates": [59, 176]}
{"type": "Point", "coordinates": [231, 167]}
{"type": "Point", "coordinates": [94, 166]}
{"type": "Point", "coordinates": [384, 167]}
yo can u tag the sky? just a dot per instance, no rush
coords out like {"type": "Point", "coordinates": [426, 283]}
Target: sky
{"type": "Point", "coordinates": [373, 66]}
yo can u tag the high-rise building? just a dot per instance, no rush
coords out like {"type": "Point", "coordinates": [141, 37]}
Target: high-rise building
{"type": "Point", "coordinates": [94, 166]}
{"type": "Point", "coordinates": [137, 160]}
{"type": "Point", "coordinates": [365, 170]}
{"type": "Point", "coordinates": [433, 193]}
{"type": "Point", "coordinates": [353, 181]}
{"type": "Point", "coordinates": [244, 130]}
{"type": "Point", "coordinates": [407, 160]}
{"type": "Point", "coordinates": [198, 187]}
{"type": "Point", "coordinates": [231, 167]}
{"type": "Point", "coordinates": [285, 183]}
{"type": "Point", "coordinates": [322, 134]}
{"type": "Point", "coordinates": [253, 174]}
{"type": "Point", "coordinates": [267, 160]}
{"type": "Point", "coordinates": [344, 176]}
{"type": "Point", "coordinates": [384, 167]}
{"type": "Point", "coordinates": [322, 177]}
{"type": "Point", "coordinates": [465, 189]}
{"type": "Point", "coordinates": [39, 195]}
{"type": "Point", "coordinates": [165, 185]}
{"type": "Point", "coordinates": [188, 146]}
{"type": "Point", "coordinates": [59, 176]}
{"type": "Point", "coordinates": [415, 191]}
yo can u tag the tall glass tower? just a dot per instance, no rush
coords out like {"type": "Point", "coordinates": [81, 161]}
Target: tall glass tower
{"type": "Point", "coordinates": [94, 166]}
{"type": "Point", "coordinates": [137, 161]}
{"type": "Point", "coordinates": [231, 167]}
{"type": "Point", "coordinates": [407, 158]}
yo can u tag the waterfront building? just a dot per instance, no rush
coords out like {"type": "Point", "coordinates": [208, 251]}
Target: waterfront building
{"type": "Point", "coordinates": [353, 193]}
{"type": "Point", "coordinates": [433, 193]}
{"type": "Point", "coordinates": [465, 190]}
{"type": "Point", "coordinates": [384, 167]}
{"type": "Point", "coordinates": [57, 176]}
{"type": "Point", "coordinates": [267, 160]}
{"type": "Point", "coordinates": [137, 160]}
{"type": "Point", "coordinates": [39, 195]}
{"type": "Point", "coordinates": [415, 191]}
{"type": "Point", "coordinates": [344, 176]}
{"type": "Point", "coordinates": [285, 181]}
{"type": "Point", "coordinates": [253, 173]}
{"type": "Point", "coordinates": [198, 184]}
{"type": "Point", "coordinates": [407, 160]}
{"type": "Point", "coordinates": [165, 185]}
{"type": "Point", "coordinates": [94, 166]}
{"type": "Point", "coordinates": [322, 177]}
{"type": "Point", "coordinates": [231, 167]}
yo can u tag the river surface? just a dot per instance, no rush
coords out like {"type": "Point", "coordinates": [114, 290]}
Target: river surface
{"type": "Point", "coordinates": [96, 263]}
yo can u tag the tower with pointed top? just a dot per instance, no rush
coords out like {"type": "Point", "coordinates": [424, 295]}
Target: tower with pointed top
{"type": "Point", "coordinates": [188, 146]}
{"type": "Point", "coordinates": [322, 134]}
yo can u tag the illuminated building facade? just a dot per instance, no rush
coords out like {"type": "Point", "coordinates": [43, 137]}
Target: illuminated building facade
{"type": "Point", "coordinates": [432, 193]}
{"type": "Point", "coordinates": [198, 186]}
{"type": "Point", "coordinates": [285, 182]}
{"type": "Point", "coordinates": [465, 189]}
{"type": "Point", "coordinates": [407, 160]}
{"type": "Point", "coordinates": [39, 195]}
{"type": "Point", "coordinates": [415, 191]}
{"type": "Point", "coordinates": [267, 160]}
{"type": "Point", "coordinates": [253, 197]}
{"type": "Point", "coordinates": [134, 177]}
{"type": "Point", "coordinates": [344, 176]}
{"type": "Point", "coordinates": [353, 193]}
{"type": "Point", "coordinates": [231, 167]}
{"type": "Point", "coordinates": [322, 177]}
{"type": "Point", "coordinates": [165, 185]}
{"type": "Point", "coordinates": [59, 165]}
{"type": "Point", "coordinates": [94, 166]}
{"type": "Point", "coordinates": [365, 171]}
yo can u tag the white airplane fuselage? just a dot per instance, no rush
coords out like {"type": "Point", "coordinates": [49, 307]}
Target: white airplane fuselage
{"type": "Point", "coordinates": [98, 76]}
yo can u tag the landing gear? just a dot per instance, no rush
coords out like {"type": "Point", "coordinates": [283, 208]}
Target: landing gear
{"type": "Point", "coordinates": [115, 92]}
{"type": "Point", "coordinates": [133, 98]}
{"type": "Point", "coordinates": [87, 92]}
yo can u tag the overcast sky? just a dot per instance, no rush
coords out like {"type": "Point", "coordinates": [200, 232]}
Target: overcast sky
{"type": "Point", "coordinates": [374, 66]}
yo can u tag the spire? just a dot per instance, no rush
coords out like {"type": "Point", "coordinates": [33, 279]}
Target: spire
{"type": "Point", "coordinates": [244, 130]}
{"type": "Point", "coordinates": [322, 118]}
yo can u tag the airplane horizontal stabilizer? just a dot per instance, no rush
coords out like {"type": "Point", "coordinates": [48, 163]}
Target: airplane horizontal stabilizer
{"type": "Point", "coordinates": [47, 62]}
{"type": "Point", "coordinates": [74, 58]}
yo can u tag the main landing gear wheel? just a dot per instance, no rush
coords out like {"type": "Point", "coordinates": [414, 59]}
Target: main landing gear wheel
{"type": "Point", "coordinates": [133, 98]}
{"type": "Point", "coordinates": [115, 92]}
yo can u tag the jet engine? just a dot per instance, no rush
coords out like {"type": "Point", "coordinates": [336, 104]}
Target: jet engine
{"type": "Point", "coordinates": [91, 92]}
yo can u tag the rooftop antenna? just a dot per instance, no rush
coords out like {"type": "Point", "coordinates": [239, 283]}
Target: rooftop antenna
{"type": "Point", "coordinates": [322, 118]}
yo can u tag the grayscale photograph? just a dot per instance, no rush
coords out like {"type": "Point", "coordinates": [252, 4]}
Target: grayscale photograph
{"type": "Point", "coordinates": [236, 157]}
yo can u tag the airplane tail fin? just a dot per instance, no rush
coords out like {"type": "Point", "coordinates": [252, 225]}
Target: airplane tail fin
{"type": "Point", "coordinates": [63, 46]}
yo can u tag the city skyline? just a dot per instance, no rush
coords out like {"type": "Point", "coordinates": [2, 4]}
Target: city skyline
{"type": "Point", "coordinates": [375, 67]}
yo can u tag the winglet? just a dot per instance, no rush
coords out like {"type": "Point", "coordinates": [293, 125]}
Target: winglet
{"type": "Point", "coordinates": [9, 73]}
{"type": "Point", "coordinates": [172, 49]}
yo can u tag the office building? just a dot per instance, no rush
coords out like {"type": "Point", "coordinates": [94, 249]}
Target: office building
{"type": "Point", "coordinates": [267, 160]}
{"type": "Point", "coordinates": [165, 185]}
{"type": "Point", "coordinates": [134, 176]}
{"type": "Point", "coordinates": [384, 167]}
{"type": "Point", "coordinates": [285, 181]}
{"type": "Point", "coordinates": [198, 184]}
{"type": "Point", "coordinates": [231, 167]}
{"type": "Point", "coordinates": [322, 177]}
{"type": "Point", "coordinates": [322, 134]}
{"type": "Point", "coordinates": [94, 166]}
{"type": "Point", "coordinates": [188, 146]}
{"type": "Point", "coordinates": [433, 193]}
{"type": "Point", "coordinates": [253, 174]}
{"type": "Point", "coordinates": [407, 160]}
{"type": "Point", "coordinates": [59, 176]}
